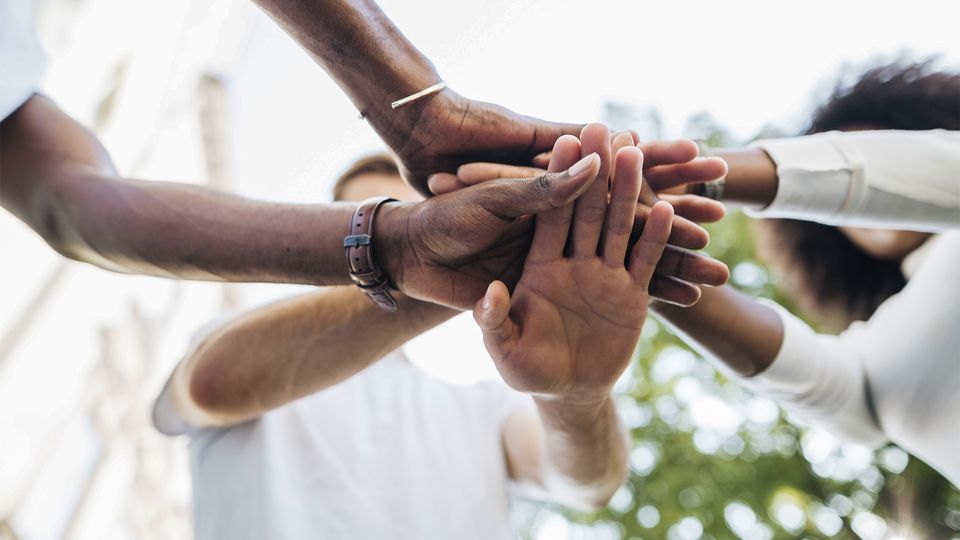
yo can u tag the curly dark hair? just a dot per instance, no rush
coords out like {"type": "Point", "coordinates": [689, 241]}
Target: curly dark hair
{"type": "Point", "coordinates": [829, 273]}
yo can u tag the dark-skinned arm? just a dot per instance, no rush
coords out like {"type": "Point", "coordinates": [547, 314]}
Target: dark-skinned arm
{"type": "Point", "coordinates": [376, 65]}
{"type": "Point", "coordinates": [58, 179]}
{"type": "Point", "coordinates": [728, 325]}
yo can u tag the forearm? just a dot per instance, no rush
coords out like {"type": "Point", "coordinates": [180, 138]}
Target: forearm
{"type": "Point", "coordinates": [291, 349]}
{"type": "Point", "coordinates": [586, 448]}
{"type": "Point", "coordinates": [854, 179]}
{"type": "Point", "coordinates": [751, 178]}
{"type": "Point", "coordinates": [181, 231]}
{"type": "Point", "coordinates": [729, 326]}
{"type": "Point", "coordinates": [364, 52]}
{"type": "Point", "coordinates": [59, 180]}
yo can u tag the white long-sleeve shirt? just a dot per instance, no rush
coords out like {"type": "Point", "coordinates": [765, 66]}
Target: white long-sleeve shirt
{"type": "Point", "coordinates": [895, 377]}
{"type": "Point", "coordinates": [906, 180]}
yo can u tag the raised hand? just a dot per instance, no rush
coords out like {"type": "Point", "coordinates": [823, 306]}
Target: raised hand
{"type": "Point", "coordinates": [573, 321]}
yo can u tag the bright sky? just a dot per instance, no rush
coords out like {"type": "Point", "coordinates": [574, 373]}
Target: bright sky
{"type": "Point", "coordinates": [748, 63]}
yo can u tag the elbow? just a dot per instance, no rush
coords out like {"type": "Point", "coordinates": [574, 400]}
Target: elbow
{"type": "Point", "coordinates": [211, 392]}
{"type": "Point", "coordinates": [50, 215]}
{"type": "Point", "coordinates": [203, 390]}
{"type": "Point", "coordinates": [605, 490]}
{"type": "Point", "coordinates": [592, 499]}
{"type": "Point", "coordinates": [51, 228]}
{"type": "Point", "coordinates": [590, 496]}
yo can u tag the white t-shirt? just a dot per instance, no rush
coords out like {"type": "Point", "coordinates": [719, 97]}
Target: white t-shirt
{"type": "Point", "coordinates": [388, 453]}
{"type": "Point", "coordinates": [21, 58]}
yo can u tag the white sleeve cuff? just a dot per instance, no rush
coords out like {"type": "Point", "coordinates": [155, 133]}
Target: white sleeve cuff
{"type": "Point", "coordinates": [788, 373]}
{"type": "Point", "coordinates": [165, 417]}
{"type": "Point", "coordinates": [815, 178]}
{"type": "Point", "coordinates": [817, 378]}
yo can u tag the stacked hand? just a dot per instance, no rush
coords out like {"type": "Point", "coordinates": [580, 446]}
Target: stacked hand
{"type": "Point", "coordinates": [680, 271]}
{"type": "Point", "coordinates": [451, 130]}
{"type": "Point", "coordinates": [449, 248]}
{"type": "Point", "coordinates": [571, 325]}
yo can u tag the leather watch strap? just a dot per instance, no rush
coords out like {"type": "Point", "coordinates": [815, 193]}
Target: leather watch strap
{"type": "Point", "coordinates": [358, 245]}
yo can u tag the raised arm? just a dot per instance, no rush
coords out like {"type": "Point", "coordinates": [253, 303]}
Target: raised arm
{"type": "Point", "coordinates": [879, 179]}
{"type": "Point", "coordinates": [287, 350]}
{"type": "Point", "coordinates": [376, 65]}
{"type": "Point", "coordinates": [570, 328]}
{"type": "Point", "coordinates": [58, 179]}
{"type": "Point", "coordinates": [779, 356]}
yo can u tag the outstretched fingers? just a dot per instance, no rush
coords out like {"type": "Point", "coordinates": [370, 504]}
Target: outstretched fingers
{"type": "Point", "coordinates": [512, 198]}
{"type": "Point", "coordinates": [553, 226]}
{"type": "Point", "coordinates": [692, 267]}
{"type": "Point", "coordinates": [591, 208]}
{"type": "Point", "coordinates": [695, 208]}
{"type": "Point", "coordinates": [674, 291]}
{"type": "Point", "coordinates": [667, 176]}
{"type": "Point", "coordinates": [684, 232]}
{"type": "Point", "coordinates": [475, 173]}
{"type": "Point", "coordinates": [649, 248]}
{"type": "Point", "coordinates": [623, 204]}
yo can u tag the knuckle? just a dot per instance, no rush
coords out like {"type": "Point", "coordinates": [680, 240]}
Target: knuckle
{"type": "Point", "coordinates": [541, 183]}
{"type": "Point", "coordinates": [670, 263]}
{"type": "Point", "coordinates": [619, 227]}
{"type": "Point", "coordinates": [591, 214]}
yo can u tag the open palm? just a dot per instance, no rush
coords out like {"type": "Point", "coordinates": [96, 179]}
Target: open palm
{"type": "Point", "coordinates": [575, 316]}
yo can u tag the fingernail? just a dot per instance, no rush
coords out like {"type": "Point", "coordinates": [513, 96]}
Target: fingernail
{"type": "Point", "coordinates": [486, 300]}
{"type": "Point", "coordinates": [582, 165]}
{"type": "Point", "coordinates": [623, 139]}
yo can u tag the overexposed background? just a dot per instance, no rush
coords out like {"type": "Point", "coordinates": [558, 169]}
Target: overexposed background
{"type": "Point", "coordinates": [167, 85]}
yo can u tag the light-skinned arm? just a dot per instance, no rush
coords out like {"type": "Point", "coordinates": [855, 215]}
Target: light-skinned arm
{"type": "Point", "coordinates": [290, 349]}
{"type": "Point", "coordinates": [293, 348]}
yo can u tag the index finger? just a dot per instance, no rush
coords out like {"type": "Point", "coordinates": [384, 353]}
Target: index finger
{"type": "Point", "coordinates": [474, 173]}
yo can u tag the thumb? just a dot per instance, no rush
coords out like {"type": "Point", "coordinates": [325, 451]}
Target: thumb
{"type": "Point", "coordinates": [515, 198]}
{"type": "Point", "coordinates": [492, 314]}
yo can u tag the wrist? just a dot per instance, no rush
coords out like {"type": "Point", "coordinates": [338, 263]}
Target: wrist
{"type": "Point", "coordinates": [576, 408]}
{"type": "Point", "coordinates": [409, 129]}
{"type": "Point", "coordinates": [752, 176]}
{"type": "Point", "coordinates": [392, 241]}
{"type": "Point", "coordinates": [403, 71]}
